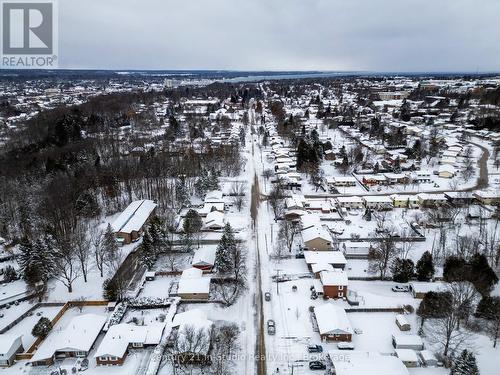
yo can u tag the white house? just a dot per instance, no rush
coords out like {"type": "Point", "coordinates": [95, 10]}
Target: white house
{"type": "Point", "coordinates": [113, 349]}
{"type": "Point", "coordinates": [214, 221]}
{"type": "Point", "coordinates": [350, 202]}
{"type": "Point", "coordinates": [10, 345]}
{"type": "Point", "coordinates": [74, 340]}
{"type": "Point", "coordinates": [378, 202]}
{"type": "Point", "coordinates": [332, 323]}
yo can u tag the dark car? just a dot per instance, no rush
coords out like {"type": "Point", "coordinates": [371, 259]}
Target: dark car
{"type": "Point", "coordinates": [315, 349]}
{"type": "Point", "coordinates": [316, 365]}
{"type": "Point", "coordinates": [299, 255]}
{"type": "Point", "coordinates": [267, 296]}
{"type": "Point", "coordinates": [271, 327]}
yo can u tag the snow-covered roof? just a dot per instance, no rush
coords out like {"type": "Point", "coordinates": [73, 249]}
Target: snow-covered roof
{"type": "Point", "coordinates": [353, 199]}
{"type": "Point", "coordinates": [309, 220]}
{"type": "Point", "coordinates": [407, 355]}
{"type": "Point", "coordinates": [362, 363]}
{"type": "Point", "coordinates": [408, 340]}
{"type": "Point", "coordinates": [334, 277]}
{"type": "Point", "coordinates": [377, 199]}
{"type": "Point", "coordinates": [329, 256]}
{"type": "Point", "coordinates": [318, 267]}
{"type": "Point", "coordinates": [213, 196]}
{"type": "Point", "coordinates": [78, 335]}
{"type": "Point", "coordinates": [200, 285]}
{"type": "Point", "coordinates": [317, 231]}
{"type": "Point", "coordinates": [6, 342]}
{"type": "Point", "coordinates": [134, 216]}
{"type": "Point", "coordinates": [214, 219]}
{"type": "Point", "coordinates": [332, 320]}
{"type": "Point", "coordinates": [204, 256]}
{"type": "Point", "coordinates": [120, 336]}
{"type": "Point", "coordinates": [191, 273]}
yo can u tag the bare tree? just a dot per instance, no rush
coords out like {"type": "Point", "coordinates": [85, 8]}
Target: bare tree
{"type": "Point", "coordinates": [82, 247]}
{"type": "Point", "coordinates": [96, 240]}
{"type": "Point", "coordinates": [382, 255]}
{"type": "Point", "coordinates": [66, 264]}
{"type": "Point", "coordinates": [287, 232]}
{"type": "Point", "coordinates": [238, 194]}
{"type": "Point", "coordinates": [445, 330]}
{"type": "Point", "coordinates": [225, 344]}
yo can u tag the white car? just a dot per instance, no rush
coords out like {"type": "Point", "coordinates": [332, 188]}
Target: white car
{"type": "Point", "coordinates": [400, 288]}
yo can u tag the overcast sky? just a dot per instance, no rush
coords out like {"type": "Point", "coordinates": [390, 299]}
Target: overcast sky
{"type": "Point", "coordinates": [368, 35]}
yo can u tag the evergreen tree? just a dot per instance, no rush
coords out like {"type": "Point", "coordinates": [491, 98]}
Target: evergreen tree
{"type": "Point", "coordinates": [465, 364]}
{"type": "Point", "coordinates": [147, 254]}
{"type": "Point", "coordinates": [425, 267]}
{"type": "Point", "coordinates": [42, 328]}
{"type": "Point", "coordinates": [402, 270]}
{"type": "Point", "coordinates": [226, 246]}
{"type": "Point", "coordinates": [481, 274]}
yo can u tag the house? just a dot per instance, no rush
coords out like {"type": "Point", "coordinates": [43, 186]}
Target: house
{"type": "Point", "coordinates": [129, 225]}
{"type": "Point", "coordinates": [378, 202]}
{"type": "Point", "coordinates": [334, 283]}
{"type": "Point", "coordinates": [488, 197]}
{"type": "Point", "coordinates": [363, 363]}
{"type": "Point", "coordinates": [192, 285]}
{"type": "Point", "coordinates": [431, 200]}
{"type": "Point", "coordinates": [413, 342]}
{"type": "Point", "coordinates": [356, 249]}
{"type": "Point", "coordinates": [402, 323]}
{"type": "Point", "coordinates": [114, 347]}
{"type": "Point", "coordinates": [76, 339]}
{"type": "Point", "coordinates": [317, 237]}
{"type": "Point", "coordinates": [204, 258]}
{"type": "Point", "coordinates": [446, 171]}
{"type": "Point", "coordinates": [405, 201]}
{"type": "Point", "coordinates": [214, 221]}
{"type": "Point", "coordinates": [353, 202]}
{"type": "Point", "coordinates": [374, 179]}
{"type": "Point", "coordinates": [194, 320]}
{"type": "Point", "coordinates": [408, 357]}
{"type": "Point", "coordinates": [396, 178]}
{"type": "Point", "coordinates": [459, 198]}
{"type": "Point", "coordinates": [341, 181]}
{"type": "Point", "coordinates": [422, 176]}
{"type": "Point", "coordinates": [332, 323]}
{"type": "Point", "coordinates": [334, 258]}
{"type": "Point", "coordinates": [10, 345]}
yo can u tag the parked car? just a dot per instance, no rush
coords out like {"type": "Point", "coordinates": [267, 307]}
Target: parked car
{"type": "Point", "coordinates": [299, 255]}
{"type": "Point", "coordinates": [267, 296]}
{"type": "Point", "coordinates": [345, 346]}
{"type": "Point", "coordinates": [271, 327]}
{"type": "Point", "coordinates": [400, 288]}
{"type": "Point", "coordinates": [317, 365]}
{"type": "Point", "coordinates": [315, 349]}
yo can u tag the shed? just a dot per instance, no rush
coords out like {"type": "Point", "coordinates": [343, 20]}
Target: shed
{"type": "Point", "coordinates": [408, 357]}
{"type": "Point", "coordinates": [413, 342]}
{"type": "Point", "coordinates": [402, 323]}
{"type": "Point", "coordinates": [150, 275]}
{"type": "Point", "coordinates": [10, 345]}
{"type": "Point", "coordinates": [428, 358]}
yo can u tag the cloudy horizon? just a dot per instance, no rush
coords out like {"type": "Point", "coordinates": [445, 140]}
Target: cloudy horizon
{"type": "Point", "coordinates": [321, 35]}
